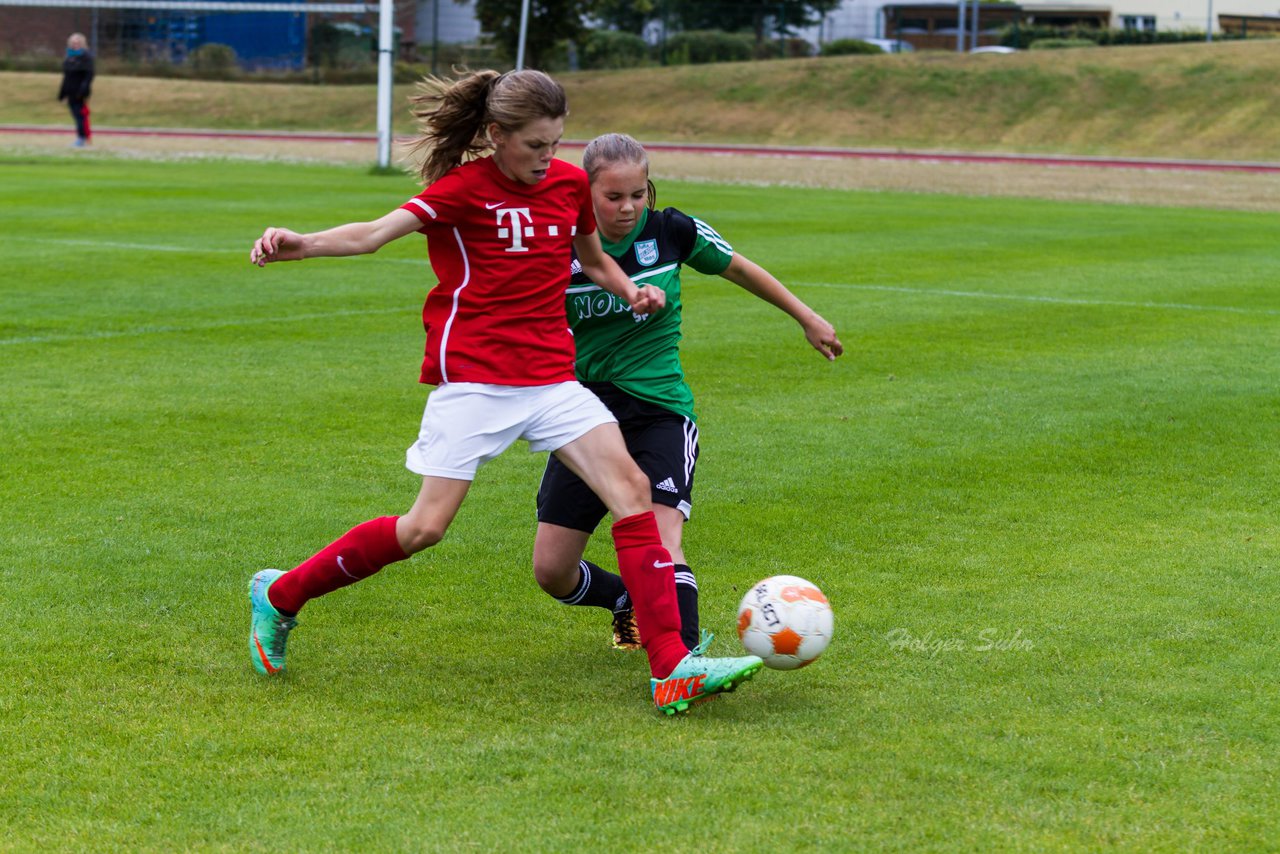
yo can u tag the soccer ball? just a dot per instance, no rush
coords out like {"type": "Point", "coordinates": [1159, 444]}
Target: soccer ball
{"type": "Point", "coordinates": [786, 621]}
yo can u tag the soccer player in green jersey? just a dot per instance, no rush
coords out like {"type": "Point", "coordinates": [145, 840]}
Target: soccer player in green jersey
{"type": "Point", "coordinates": [632, 362]}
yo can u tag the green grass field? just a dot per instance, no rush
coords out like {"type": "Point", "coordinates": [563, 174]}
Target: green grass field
{"type": "Point", "coordinates": [1039, 489]}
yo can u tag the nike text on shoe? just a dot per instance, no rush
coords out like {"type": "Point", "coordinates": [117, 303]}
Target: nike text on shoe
{"type": "Point", "coordinates": [697, 678]}
{"type": "Point", "coordinates": [626, 636]}
{"type": "Point", "coordinates": [268, 628]}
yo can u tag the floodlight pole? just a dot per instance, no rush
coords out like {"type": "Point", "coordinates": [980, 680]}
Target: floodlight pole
{"type": "Point", "coordinates": [960, 7]}
{"type": "Point", "coordinates": [435, 36]}
{"type": "Point", "coordinates": [1208, 24]}
{"type": "Point", "coordinates": [524, 32]}
{"type": "Point", "coordinates": [386, 16]}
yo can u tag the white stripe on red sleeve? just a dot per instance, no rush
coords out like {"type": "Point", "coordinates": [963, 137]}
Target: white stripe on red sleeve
{"type": "Point", "coordinates": [425, 207]}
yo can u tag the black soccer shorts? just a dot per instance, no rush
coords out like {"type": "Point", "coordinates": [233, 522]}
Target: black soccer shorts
{"type": "Point", "coordinates": [663, 443]}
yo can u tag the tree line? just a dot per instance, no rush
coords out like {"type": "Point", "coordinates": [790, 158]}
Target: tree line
{"type": "Point", "coordinates": [554, 21]}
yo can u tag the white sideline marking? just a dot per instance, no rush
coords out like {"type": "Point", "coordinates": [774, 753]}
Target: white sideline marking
{"type": "Point", "coordinates": [296, 318]}
{"type": "Point", "coordinates": [1100, 303]}
{"type": "Point", "coordinates": [169, 247]}
{"type": "Point", "coordinates": [203, 327]}
{"type": "Point", "coordinates": [144, 247]}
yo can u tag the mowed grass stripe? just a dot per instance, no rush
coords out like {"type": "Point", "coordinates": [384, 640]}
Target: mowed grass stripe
{"type": "Point", "coordinates": [152, 329]}
{"type": "Point", "coordinates": [981, 295]}
{"type": "Point", "coordinates": [401, 310]}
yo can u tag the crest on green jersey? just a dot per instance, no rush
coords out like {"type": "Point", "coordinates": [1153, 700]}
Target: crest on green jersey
{"type": "Point", "coordinates": [647, 252]}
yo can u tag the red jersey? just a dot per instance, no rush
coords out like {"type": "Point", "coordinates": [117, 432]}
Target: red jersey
{"type": "Point", "coordinates": [501, 250]}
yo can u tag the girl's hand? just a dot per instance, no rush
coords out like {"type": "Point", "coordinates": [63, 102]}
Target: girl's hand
{"type": "Point", "coordinates": [822, 336]}
{"type": "Point", "coordinates": [276, 244]}
{"type": "Point", "coordinates": [648, 299]}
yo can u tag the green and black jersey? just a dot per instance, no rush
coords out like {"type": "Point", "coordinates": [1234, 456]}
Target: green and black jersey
{"type": "Point", "coordinates": [640, 354]}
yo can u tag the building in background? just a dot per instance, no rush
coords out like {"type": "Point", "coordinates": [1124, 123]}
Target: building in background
{"type": "Point", "coordinates": [446, 22]}
{"type": "Point", "coordinates": [433, 30]}
{"type": "Point", "coordinates": [1249, 26]}
{"type": "Point", "coordinates": [261, 40]}
{"type": "Point", "coordinates": [864, 19]}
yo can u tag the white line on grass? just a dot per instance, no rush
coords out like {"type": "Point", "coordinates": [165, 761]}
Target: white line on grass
{"type": "Point", "coordinates": [1171, 306]}
{"type": "Point", "coordinates": [168, 247]}
{"type": "Point", "coordinates": [132, 247]}
{"type": "Point", "coordinates": [203, 327]}
{"type": "Point", "coordinates": [298, 318]}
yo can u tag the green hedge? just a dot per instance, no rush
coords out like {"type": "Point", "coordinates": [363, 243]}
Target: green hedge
{"type": "Point", "coordinates": [1058, 44]}
{"type": "Point", "coordinates": [792, 48]}
{"type": "Point", "coordinates": [697, 47]}
{"type": "Point", "coordinates": [214, 61]}
{"type": "Point", "coordinates": [612, 49]}
{"type": "Point", "coordinates": [1019, 36]}
{"type": "Point", "coordinates": [845, 47]}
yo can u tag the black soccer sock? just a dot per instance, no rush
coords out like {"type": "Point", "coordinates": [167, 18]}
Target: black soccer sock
{"type": "Point", "coordinates": [597, 587]}
{"type": "Point", "coordinates": [687, 598]}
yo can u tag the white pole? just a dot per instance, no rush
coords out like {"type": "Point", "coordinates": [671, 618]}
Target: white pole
{"type": "Point", "coordinates": [1208, 27]}
{"type": "Point", "coordinates": [524, 32]}
{"type": "Point", "coordinates": [386, 17]}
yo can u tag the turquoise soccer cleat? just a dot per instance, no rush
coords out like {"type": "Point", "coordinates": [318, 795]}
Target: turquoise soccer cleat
{"type": "Point", "coordinates": [697, 678]}
{"type": "Point", "coordinates": [268, 629]}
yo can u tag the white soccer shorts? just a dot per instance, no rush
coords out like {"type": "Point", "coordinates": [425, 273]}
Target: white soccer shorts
{"type": "Point", "coordinates": [467, 424]}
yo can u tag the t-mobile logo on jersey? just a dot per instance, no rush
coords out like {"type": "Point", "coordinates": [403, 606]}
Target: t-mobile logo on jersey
{"type": "Point", "coordinates": [518, 225]}
{"type": "Point", "coordinates": [516, 230]}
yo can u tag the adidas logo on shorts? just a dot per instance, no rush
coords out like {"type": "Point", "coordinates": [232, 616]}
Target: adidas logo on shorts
{"type": "Point", "coordinates": [668, 485]}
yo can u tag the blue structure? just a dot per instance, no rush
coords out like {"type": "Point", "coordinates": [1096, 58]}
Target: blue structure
{"type": "Point", "coordinates": [260, 39]}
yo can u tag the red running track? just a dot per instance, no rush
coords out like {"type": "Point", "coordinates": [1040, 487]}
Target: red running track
{"type": "Point", "coordinates": [753, 150]}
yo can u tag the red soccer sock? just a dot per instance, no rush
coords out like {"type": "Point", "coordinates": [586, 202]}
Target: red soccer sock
{"type": "Point", "coordinates": [356, 555]}
{"type": "Point", "coordinates": [649, 574]}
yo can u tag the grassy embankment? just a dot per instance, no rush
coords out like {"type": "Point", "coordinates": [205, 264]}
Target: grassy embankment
{"type": "Point", "coordinates": [1215, 101]}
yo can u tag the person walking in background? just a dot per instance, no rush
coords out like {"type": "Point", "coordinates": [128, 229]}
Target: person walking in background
{"type": "Point", "coordinates": [632, 363]}
{"type": "Point", "coordinates": [501, 232]}
{"type": "Point", "coordinates": [77, 83]}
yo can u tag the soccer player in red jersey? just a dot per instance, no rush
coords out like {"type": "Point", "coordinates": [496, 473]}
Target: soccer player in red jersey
{"type": "Point", "coordinates": [501, 230]}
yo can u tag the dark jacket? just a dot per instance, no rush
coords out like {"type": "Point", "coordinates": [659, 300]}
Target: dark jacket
{"type": "Point", "coordinates": [77, 77]}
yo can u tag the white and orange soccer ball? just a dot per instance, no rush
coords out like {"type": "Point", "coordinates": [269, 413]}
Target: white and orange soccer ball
{"type": "Point", "coordinates": [785, 620]}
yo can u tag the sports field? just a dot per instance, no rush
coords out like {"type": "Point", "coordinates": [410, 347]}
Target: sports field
{"type": "Point", "coordinates": [1039, 489]}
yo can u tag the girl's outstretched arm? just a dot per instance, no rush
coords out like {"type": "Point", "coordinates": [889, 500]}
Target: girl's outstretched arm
{"type": "Point", "coordinates": [354, 238]}
{"type": "Point", "coordinates": [755, 279]}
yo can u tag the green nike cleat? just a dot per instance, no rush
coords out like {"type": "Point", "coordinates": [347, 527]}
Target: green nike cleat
{"type": "Point", "coordinates": [268, 629]}
{"type": "Point", "coordinates": [697, 678]}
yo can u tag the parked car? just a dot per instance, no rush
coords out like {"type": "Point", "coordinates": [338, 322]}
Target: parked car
{"type": "Point", "coordinates": [994, 48]}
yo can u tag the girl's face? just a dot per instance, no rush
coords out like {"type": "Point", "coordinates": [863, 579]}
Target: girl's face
{"type": "Point", "coordinates": [619, 192]}
{"type": "Point", "coordinates": [525, 154]}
